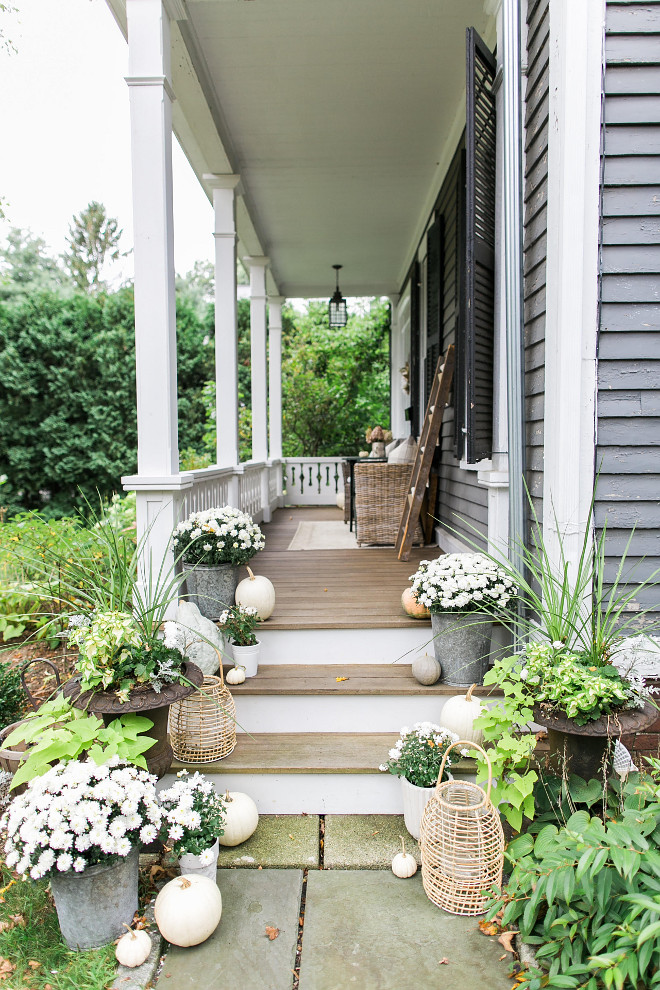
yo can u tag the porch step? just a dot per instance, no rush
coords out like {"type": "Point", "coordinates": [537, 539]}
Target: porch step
{"type": "Point", "coordinates": [374, 698]}
{"type": "Point", "coordinates": [336, 644]}
{"type": "Point", "coordinates": [311, 773]}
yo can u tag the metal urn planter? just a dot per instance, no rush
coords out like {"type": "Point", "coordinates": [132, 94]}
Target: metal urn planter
{"type": "Point", "coordinates": [145, 701]}
{"type": "Point", "coordinates": [461, 642]}
{"type": "Point", "coordinates": [587, 750]}
{"type": "Point", "coordinates": [212, 589]}
{"type": "Point", "coordinates": [93, 906]}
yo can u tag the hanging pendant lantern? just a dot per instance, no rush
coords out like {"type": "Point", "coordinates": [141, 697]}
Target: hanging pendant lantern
{"type": "Point", "coordinates": [337, 315]}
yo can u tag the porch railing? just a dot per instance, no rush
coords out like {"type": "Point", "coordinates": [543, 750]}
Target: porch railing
{"type": "Point", "coordinates": [312, 480]}
{"type": "Point", "coordinates": [259, 487]}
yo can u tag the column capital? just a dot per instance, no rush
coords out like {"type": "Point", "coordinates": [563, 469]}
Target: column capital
{"type": "Point", "coordinates": [256, 260]}
{"type": "Point", "coordinates": [217, 181]}
{"type": "Point", "coordinates": [276, 300]}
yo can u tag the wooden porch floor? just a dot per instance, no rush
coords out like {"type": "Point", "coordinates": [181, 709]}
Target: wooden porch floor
{"type": "Point", "coordinates": [333, 589]}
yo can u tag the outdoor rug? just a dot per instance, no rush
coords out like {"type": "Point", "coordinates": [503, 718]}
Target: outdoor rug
{"type": "Point", "coordinates": [326, 535]}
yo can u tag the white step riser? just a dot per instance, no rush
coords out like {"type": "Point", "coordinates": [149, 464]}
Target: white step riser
{"type": "Point", "coordinates": [345, 713]}
{"type": "Point", "coordinates": [337, 646]}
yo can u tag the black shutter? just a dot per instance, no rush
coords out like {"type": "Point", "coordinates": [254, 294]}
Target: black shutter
{"type": "Point", "coordinates": [434, 300]}
{"type": "Point", "coordinates": [415, 346]}
{"type": "Point", "coordinates": [480, 139]}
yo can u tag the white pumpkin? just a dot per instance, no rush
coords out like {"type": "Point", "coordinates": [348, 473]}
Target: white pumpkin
{"type": "Point", "coordinates": [133, 948]}
{"type": "Point", "coordinates": [236, 675]}
{"type": "Point", "coordinates": [257, 592]}
{"type": "Point", "coordinates": [458, 714]}
{"type": "Point", "coordinates": [241, 818]}
{"type": "Point", "coordinates": [426, 669]}
{"type": "Point", "coordinates": [404, 865]}
{"type": "Point", "coordinates": [188, 909]}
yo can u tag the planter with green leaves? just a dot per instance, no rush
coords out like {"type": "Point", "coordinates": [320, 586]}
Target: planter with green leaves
{"type": "Point", "coordinates": [239, 623]}
{"type": "Point", "coordinates": [193, 819]}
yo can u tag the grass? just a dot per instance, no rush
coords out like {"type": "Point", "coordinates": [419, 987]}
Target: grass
{"type": "Point", "coordinates": [31, 935]}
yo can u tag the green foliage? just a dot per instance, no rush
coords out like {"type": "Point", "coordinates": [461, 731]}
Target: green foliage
{"type": "Point", "coordinates": [26, 268]}
{"type": "Point", "coordinates": [511, 748]}
{"type": "Point", "coordinates": [58, 733]}
{"type": "Point", "coordinates": [335, 383]}
{"type": "Point", "coordinates": [32, 934]}
{"type": "Point", "coordinates": [588, 895]}
{"type": "Point", "coordinates": [93, 242]}
{"type": "Point", "coordinates": [239, 622]}
{"type": "Point", "coordinates": [417, 755]}
{"type": "Point", "coordinates": [13, 700]}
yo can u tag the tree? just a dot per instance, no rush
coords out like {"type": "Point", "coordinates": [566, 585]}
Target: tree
{"type": "Point", "coordinates": [93, 241]}
{"type": "Point", "coordinates": [26, 268]}
{"type": "Point", "coordinates": [197, 286]}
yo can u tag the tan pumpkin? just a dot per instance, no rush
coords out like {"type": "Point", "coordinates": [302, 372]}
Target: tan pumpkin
{"type": "Point", "coordinates": [426, 670]}
{"type": "Point", "coordinates": [188, 910]}
{"type": "Point", "coordinates": [257, 592]}
{"type": "Point", "coordinates": [412, 607]}
{"type": "Point", "coordinates": [458, 714]}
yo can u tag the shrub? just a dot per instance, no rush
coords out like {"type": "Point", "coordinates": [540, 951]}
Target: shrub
{"type": "Point", "coordinates": [13, 700]}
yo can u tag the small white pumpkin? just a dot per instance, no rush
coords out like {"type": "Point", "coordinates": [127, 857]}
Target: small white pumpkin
{"type": "Point", "coordinates": [404, 865]}
{"type": "Point", "coordinates": [133, 948]}
{"type": "Point", "coordinates": [257, 592]}
{"type": "Point", "coordinates": [188, 909]}
{"type": "Point", "coordinates": [458, 714]}
{"type": "Point", "coordinates": [241, 818]}
{"type": "Point", "coordinates": [235, 675]}
{"type": "Point", "coordinates": [426, 669]}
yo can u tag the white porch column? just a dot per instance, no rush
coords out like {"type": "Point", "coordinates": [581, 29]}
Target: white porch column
{"type": "Point", "coordinates": [576, 53]}
{"type": "Point", "coordinates": [257, 267]}
{"type": "Point", "coordinates": [226, 345]}
{"type": "Point", "coordinates": [158, 482]}
{"type": "Point", "coordinates": [275, 376]}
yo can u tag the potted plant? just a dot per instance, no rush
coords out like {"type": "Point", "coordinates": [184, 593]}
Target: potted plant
{"type": "Point", "coordinates": [213, 544]}
{"type": "Point", "coordinates": [239, 624]}
{"type": "Point", "coordinates": [125, 667]}
{"type": "Point", "coordinates": [462, 591]}
{"type": "Point", "coordinates": [193, 818]}
{"type": "Point", "coordinates": [80, 825]}
{"type": "Point", "coordinates": [416, 758]}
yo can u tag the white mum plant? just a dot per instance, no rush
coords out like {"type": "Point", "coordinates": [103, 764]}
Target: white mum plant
{"type": "Point", "coordinates": [462, 582]}
{"type": "Point", "coordinates": [80, 814]}
{"type": "Point", "coordinates": [193, 816]}
{"type": "Point", "coordinates": [223, 535]}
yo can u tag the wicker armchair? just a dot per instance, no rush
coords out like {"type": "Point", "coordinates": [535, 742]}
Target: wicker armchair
{"type": "Point", "coordinates": [380, 493]}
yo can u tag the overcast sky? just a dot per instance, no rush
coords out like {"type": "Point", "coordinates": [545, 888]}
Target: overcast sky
{"type": "Point", "coordinates": [65, 129]}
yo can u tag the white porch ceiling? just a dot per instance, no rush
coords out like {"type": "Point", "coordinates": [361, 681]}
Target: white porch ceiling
{"type": "Point", "coordinates": [339, 116]}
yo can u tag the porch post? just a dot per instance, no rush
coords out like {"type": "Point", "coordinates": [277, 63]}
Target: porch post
{"type": "Point", "coordinates": [226, 346]}
{"type": "Point", "coordinates": [158, 484]}
{"type": "Point", "coordinates": [275, 376]}
{"type": "Point", "coordinates": [574, 132]}
{"type": "Point", "coordinates": [257, 266]}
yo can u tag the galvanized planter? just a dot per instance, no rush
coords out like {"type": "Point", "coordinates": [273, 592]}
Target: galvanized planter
{"type": "Point", "coordinates": [212, 589]}
{"type": "Point", "coordinates": [93, 906]}
{"type": "Point", "coordinates": [461, 641]}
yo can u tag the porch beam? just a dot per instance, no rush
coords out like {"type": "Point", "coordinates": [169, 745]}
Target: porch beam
{"type": "Point", "coordinates": [257, 266]}
{"type": "Point", "coordinates": [158, 483]}
{"type": "Point", "coordinates": [275, 376]}
{"type": "Point", "coordinates": [226, 328]}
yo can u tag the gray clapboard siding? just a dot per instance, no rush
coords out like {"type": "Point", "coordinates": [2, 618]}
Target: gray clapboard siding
{"type": "Point", "coordinates": [535, 239]}
{"type": "Point", "coordinates": [628, 450]}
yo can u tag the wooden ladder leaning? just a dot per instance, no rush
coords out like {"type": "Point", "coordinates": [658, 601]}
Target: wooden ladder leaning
{"type": "Point", "coordinates": [428, 441]}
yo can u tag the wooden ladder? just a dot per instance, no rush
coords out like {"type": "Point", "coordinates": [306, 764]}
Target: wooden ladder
{"type": "Point", "coordinates": [428, 441]}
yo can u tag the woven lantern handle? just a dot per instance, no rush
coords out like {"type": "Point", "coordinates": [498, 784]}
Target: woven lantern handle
{"type": "Point", "coordinates": [474, 745]}
{"type": "Point", "coordinates": [222, 675]}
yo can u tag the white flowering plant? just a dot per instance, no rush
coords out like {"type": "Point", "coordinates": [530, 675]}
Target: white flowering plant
{"type": "Point", "coordinates": [223, 535]}
{"type": "Point", "coordinates": [193, 816]}
{"type": "Point", "coordinates": [462, 582]}
{"type": "Point", "coordinates": [239, 622]}
{"type": "Point", "coordinates": [418, 753]}
{"type": "Point", "coordinates": [80, 814]}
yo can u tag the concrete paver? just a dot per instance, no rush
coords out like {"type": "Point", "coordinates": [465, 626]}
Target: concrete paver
{"type": "Point", "coordinates": [369, 930]}
{"type": "Point", "coordinates": [239, 954]}
{"type": "Point", "coordinates": [366, 842]}
{"type": "Point", "coordinates": [281, 841]}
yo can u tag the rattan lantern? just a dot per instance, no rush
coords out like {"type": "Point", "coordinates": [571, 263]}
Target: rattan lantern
{"type": "Point", "coordinates": [462, 843]}
{"type": "Point", "coordinates": [203, 725]}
